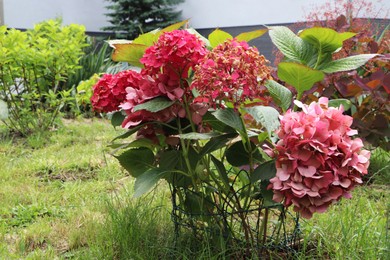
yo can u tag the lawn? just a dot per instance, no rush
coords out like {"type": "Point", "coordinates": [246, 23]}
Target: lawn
{"type": "Point", "coordinates": [64, 196]}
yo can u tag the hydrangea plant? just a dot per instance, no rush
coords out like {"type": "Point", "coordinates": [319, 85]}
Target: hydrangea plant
{"type": "Point", "coordinates": [208, 117]}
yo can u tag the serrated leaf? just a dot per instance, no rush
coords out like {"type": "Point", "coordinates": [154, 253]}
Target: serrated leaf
{"type": "Point", "coordinates": [299, 76]}
{"type": "Point", "coordinates": [292, 46]}
{"type": "Point", "coordinates": [216, 143]}
{"type": "Point", "coordinates": [349, 63]}
{"type": "Point", "coordinates": [325, 39]}
{"type": "Point", "coordinates": [238, 156]}
{"type": "Point", "coordinates": [264, 171]}
{"type": "Point", "coordinates": [218, 36]}
{"type": "Point", "coordinates": [248, 36]}
{"type": "Point", "coordinates": [341, 101]}
{"type": "Point", "coordinates": [198, 136]}
{"type": "Point", "coordinates": [229, 117]}
{"type": "Point", "coordinates": [154, 105]}
{"type": "Point", "coordinates": [129, 52]}
{"type": "Point", "coordinates": [280, 94]}
{"type": "Point", "coordinates": [147, 181]}
{"type": "Point", "coordinates": [215, 124]}
{"type": "Point", "coordinates": [136, 161]}
{"type": "Point", "coordinates": [268, 117]}
{"type": "Point", "coordinates": [117, 119]}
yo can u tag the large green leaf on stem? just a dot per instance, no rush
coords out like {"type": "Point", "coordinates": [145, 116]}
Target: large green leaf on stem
{"type": "Point", "coordinates": [117, 119]}
{"type": "Point", "coordinates": [238, 155]}
{"type": "Point", "coordinates": [292, 46]}
{"type": "Point", "coordinates": [136, 161]}
{"type": "Point", "coordinates": [264, 171]}
{"type": "Point", "coordinates": [215, 124]}
{"type": "Point", "coordinates": [155, 105]}
{"type": "Point", "coordinates": [280, 94]}
{"type": "Point", "coordinates": [248, 36]}
{"type": "Point", "coordinates": [147, 181]}
{"type": "Point", "coordinates": [348, 63]}
{"type": "Point", "coordinates": [218, 36]}
{"type": "Point", "coordinates": [216, 143]}
{"type": "Point", "coordinates": [230, 117]}
{"type": "Point", "coordinates": [147, 39]}
{"type": "Point", "coordinates": [268, 117]}
{"type": "Point", "coordinates": [325, 39]}
{"type": "Point", "coordinates": [299, 76]}
{"type": "Point", "coordinates": [128, 51]}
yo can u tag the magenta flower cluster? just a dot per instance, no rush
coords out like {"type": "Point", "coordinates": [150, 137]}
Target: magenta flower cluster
{"type": "Point", "coordinates": [317, 161]}
{"type": "Point", "coordinates": [166, 66]}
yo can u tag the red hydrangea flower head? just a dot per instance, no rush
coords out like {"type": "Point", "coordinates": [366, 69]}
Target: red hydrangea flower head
{"type": "Point", "coordinates": [317, 161]}
{"type": "Point", "coordinates": [107, 96]}
{"type": "Point", "coordinates": [232, 71]}
{"type": "Point", "coordinates": [169, 60]}
{"type": "Point", "coordinates": [178, 49]}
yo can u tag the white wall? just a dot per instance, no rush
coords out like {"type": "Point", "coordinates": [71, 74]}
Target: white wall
{"type": "Point", "coordinates": [25, 13]}
{"type": "Point", "coordinates": [202, 13]}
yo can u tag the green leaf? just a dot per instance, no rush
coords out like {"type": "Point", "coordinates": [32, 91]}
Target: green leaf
{"type": "Point", "coordinates": [237, 155]}
{"type": "Point", "coordinates": [169, 159]}
{"type": "Point", "coordinates": [129, 133]}
{"type": "Point", "coordinates": [216, 143]}
{"type": "Point", "coordinates": [218, 36]}
{"type": "Point", "coordinates": [325, 39]}
{"type": "Point", "coordinates": [147, 39]}
{"type": "Point", "coordinates": [248, 36]}
{"type": "Point", "coordinates": [280, 94]}
{"type": "Point", "coordinates": [268, 117]}
{"type": "Point", "coordinates": [292, 46]}
{"type": "Point", "coordinates": [136, 161]}
{"type": "Point", "coordinates": [146, 181]}
{"type": "Point", "coordinates": [198, 136]}
{"type": "Point", "coordinates": [341, 101]}
{"type": "Point", "coordinates": [299, 76]}
{"type": "Point", "coordinates": [229, 117]}
{"type": "Point", "coordinates": [264, 171]}
{"type": "Point", "coordinates": [221, 171]}
{"type": "Point", "coordinates": [267, 195]}
{"type": "Point", "coordinates": [215, 124]}
{"type": "Point", "coordinates": [155, 105]}
{"type": "Point", "coordinates": [129, 52]}
{"type": "Point", "coordinates": [117, 119]}
{"type": "Point", "coordinates": [349, 63]}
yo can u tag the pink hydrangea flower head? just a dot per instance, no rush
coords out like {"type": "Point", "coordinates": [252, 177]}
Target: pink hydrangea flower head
{"type": "Point", "coordinates": [140, 88]}
{"type": "Point", "coordinates": [232, 71]}
{"type": "Point", "coordinates": [317, 161]}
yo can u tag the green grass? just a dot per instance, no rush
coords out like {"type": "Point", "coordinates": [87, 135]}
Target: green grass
{"type": "Point", "coordinates": [63, 196]}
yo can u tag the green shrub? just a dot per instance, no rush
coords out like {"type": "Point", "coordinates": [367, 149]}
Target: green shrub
{"type": "Point", "coordinates": [34, 66]}
{"type": "Point", "coordinates": [84, 94]}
